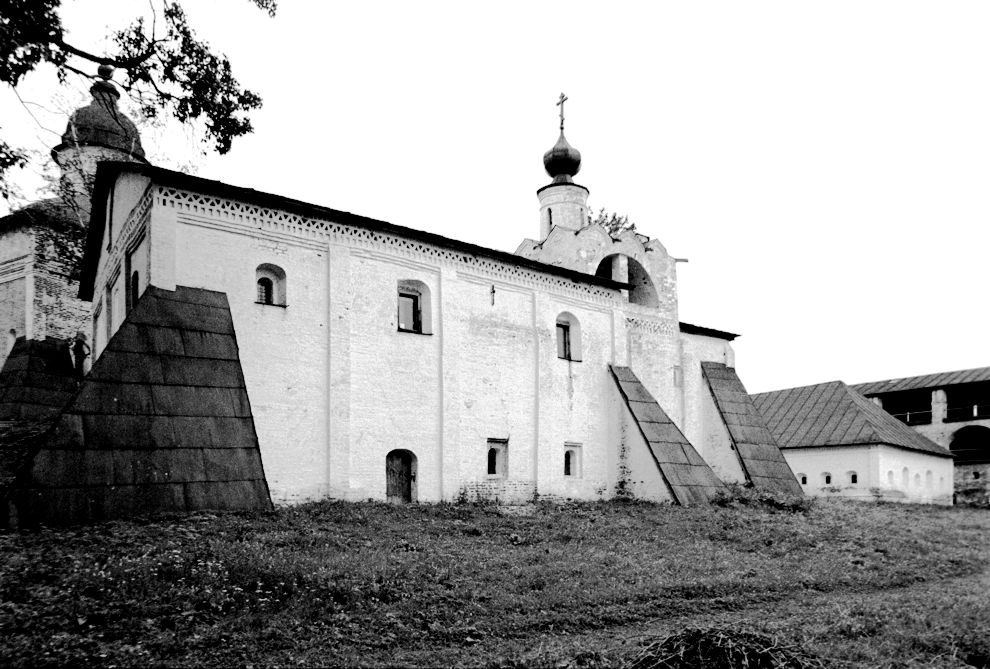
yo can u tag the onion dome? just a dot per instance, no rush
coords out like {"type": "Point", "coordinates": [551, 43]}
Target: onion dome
{"type": "Point", "coordinates": [101, 123]}
{"type": "Point", "coordinates": [563, 161]}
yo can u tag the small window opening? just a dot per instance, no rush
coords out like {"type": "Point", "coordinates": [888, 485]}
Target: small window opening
{"type": "Point", "coordinates": [827, 478]}
{"type": "Point", "coordinates": [804, 479]}
{"type": "Point", "coordinates": [572, 460]}
{"type": "Point", "coordinates": [270, 285]}
{"type": "Point", "coordinates": [976, 475]}
{"type": "Point", "coordinates": [678, 376]}
{"type": "Point", "coordinates": [498, 457]}
{"type": "Point", "coordinates": [853, 477]}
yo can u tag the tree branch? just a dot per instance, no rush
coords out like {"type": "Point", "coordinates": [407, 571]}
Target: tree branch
{"type": "Point", "coordinates": [125, 63]}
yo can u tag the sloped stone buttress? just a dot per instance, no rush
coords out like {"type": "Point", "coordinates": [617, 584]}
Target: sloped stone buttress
{"type": "Point", "coordinates": [688, 477]}
{"type": "Point", "coordinates": [161, 423]}
{"type": "Point", "coordinates": [762, 462]}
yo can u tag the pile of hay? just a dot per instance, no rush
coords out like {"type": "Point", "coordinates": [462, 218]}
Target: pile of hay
{"type": "Point", "coordinates": [715, 648]}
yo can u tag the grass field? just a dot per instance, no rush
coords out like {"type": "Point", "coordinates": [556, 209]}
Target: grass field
{"type": "Point", "coordinates": [850, 584]}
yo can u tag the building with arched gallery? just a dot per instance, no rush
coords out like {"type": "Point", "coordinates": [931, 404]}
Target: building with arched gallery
{"type": "Point", "coordinates": [334, 355]}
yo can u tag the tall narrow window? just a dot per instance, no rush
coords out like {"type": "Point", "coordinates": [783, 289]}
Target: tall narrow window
{"type": "Point", "coordinates": [568, 337]}
{"type": "Point", "coordinates": [803, 478]}
{"type": "Point", "coordinates": [133, 290]}
{"type": "Point", "coordinates": [853, 477]}
{"type": "Point", "coordinates": [270, 285]}
{"type": "Point", "coordinates": [563, 340]}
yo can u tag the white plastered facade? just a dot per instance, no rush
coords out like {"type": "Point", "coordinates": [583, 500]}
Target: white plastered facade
{"type": "Point", "coordinates": [335, 384]}
{"type": "Point", "coordinates": [881, 471]}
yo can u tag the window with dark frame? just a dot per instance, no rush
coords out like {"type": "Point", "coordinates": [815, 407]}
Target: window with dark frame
{"type": "Point", "coordinates": [563, 340]}
{"type": "Point", "coordinates": [410, 315]}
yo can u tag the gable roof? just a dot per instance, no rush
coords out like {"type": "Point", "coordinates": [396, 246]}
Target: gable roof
{"type": "Point", "coordinates": [107, 173]}
{"type": "Point", "coordinates": [925, 381]}
{"type": "Point", "coordinates": [833, 414]}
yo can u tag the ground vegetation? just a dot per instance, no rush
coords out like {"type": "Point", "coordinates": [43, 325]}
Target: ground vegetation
{"type": "Point", "coordinates": [548, 585]}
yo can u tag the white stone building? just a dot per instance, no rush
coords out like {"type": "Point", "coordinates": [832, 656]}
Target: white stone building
{"type": "Point", "coordinates": [839, 443]}
{"type": "Point", "coordinates": [386, 362]}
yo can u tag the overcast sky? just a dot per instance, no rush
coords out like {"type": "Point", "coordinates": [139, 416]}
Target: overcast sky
{"type": "Point", "coordinates": [825, 167]}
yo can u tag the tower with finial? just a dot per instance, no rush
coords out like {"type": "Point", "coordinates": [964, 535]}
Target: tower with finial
{"type": "Point", "coordinates": [96, 132]}
{"type": "Point", "coordinates": [563, 203]}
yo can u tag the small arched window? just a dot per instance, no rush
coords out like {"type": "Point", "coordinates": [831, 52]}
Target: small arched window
{"type": "Point", "coordinates": [498, 457]}
{"type": "Point", "coordinates": [917, 480]}
{"type": "Point", "coordinates": [803, 478]}
{"type": "Point", "coordinates": [568, 337]}
{"type": "Point", "coordinates": [572, 460]}
{"type": "Point", "coordinates": [270, 285]}
{"type": "Point", "coordinates": [905, 478]}
{"type": "Point", "coordinates": [414, 307]}
{"type": "Point", "coordinates": [11, 339]}
{"type": "Point", "coordinates": [827, 478]}
{"type": "Point", "coordinates": [890, 477]}
{"type": "Point", "coordinates": [853, 477]}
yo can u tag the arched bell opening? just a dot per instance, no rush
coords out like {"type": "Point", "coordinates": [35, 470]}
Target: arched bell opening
{"type": "Point", "coordinates": [624, 269]}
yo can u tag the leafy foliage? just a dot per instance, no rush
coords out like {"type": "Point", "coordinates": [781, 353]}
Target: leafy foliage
{"type": "Point", "coordinates": [613, 223]}
{"type": "Point", "coordinates": [170, 72]}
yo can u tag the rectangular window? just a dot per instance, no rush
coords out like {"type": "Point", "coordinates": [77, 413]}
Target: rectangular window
{"type": "Point", "coordinates": [678, 376]}
{"type": "Point", "coordinates": [409, 314]}
{"type": "Point", "coordinates": [564, 341]}
{"type": "Point", "coordinates": [498, 457]}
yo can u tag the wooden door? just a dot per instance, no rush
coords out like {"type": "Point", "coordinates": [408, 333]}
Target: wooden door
{"type": "Point", "coordinates": [399, 477]}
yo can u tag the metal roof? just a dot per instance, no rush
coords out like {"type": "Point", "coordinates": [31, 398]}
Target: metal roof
{"type": "Point", "coordinates": [926, 381]}
{"type": "Point", "coordinates": [833, 414]}
{"type": "Point", "coordinates": [107, 173]}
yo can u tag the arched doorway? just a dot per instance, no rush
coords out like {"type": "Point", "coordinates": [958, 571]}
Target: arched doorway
{"type": "Point", "coordinates": [624, 269]}
{"type": "Point", "coordinates": [971, 445]}
{"type": "Point", "coordinates": [400, 476]}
